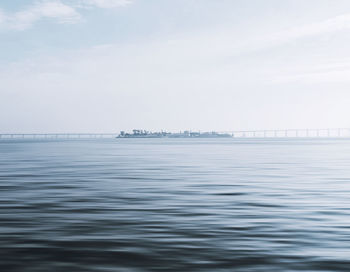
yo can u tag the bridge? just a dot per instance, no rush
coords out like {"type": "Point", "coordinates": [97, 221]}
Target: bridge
{"type": "Point", "coordinates": [56, 135]}
{"type": "Point", "coordinates": [288, 133]}
{"type": "Point", "coordinates": [272, 133]}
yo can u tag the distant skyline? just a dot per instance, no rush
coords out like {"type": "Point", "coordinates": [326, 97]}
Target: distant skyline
{"type": "Point", "coordinates": [110, 65]}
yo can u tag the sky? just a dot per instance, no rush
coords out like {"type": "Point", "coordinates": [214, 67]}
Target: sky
{"type": "Point", "coordinates": [110, 65]}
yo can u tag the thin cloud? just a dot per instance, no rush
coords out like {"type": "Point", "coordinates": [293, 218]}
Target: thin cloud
{"type": "Point", "coordinates": [268, 40]}
{"type": "Point", "coordinates": [26, 18]}
{"type": "Point", "coordinates": [105, 3]}
{"type": "Point", "coordinates": [65, 12]}
{"type": "Point", "coordinates": [338, 23]}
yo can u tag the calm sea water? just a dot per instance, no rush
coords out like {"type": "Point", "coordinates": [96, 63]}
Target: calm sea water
{"type": "Point", "coordinates": [175, 205]}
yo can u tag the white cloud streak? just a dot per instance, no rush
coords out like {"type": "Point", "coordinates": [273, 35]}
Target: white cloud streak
{"type": "Point", "coordinates": [284, 36]}
{"type": "Point", "coordinates": [105, 3]}
{"type": "Point", "coordinates": [63, 13]}
{"type": "Point", "coordinates": [25, 19]}
{"type": "Point", "coordinates": [338, 23]}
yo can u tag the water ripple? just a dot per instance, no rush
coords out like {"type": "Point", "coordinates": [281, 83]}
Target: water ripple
{"type": "Point", "coordinates": [174, 205]}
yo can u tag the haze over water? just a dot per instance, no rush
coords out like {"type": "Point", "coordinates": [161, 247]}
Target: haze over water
{"type": "Point", "coordinates": [175, 205]}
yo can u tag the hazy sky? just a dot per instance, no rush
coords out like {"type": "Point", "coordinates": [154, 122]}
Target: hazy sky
{"type": "Point", "coordinates": [110, 65]}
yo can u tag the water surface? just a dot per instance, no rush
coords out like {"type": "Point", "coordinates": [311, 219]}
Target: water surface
{"type": "Point", "coordinates": [175, 205]}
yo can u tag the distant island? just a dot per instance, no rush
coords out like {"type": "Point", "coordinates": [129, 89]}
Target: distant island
{"type": "Point", "coordinates": [139, 133]}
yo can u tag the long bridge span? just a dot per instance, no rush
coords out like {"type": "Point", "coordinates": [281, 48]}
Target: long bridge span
{"type": "Point", "coordinates": [289, 133]}
{"type": "Point", "coordinates": [270, 133]}
{"type": "Point", "coordinates": [56, 135]}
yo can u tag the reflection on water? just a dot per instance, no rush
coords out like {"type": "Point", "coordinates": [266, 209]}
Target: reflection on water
{"type": "Point", "coordinates": [175, 205]}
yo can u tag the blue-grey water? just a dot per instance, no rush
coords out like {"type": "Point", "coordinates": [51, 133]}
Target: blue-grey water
{"type": "Point", "coordinates": [175, 205]}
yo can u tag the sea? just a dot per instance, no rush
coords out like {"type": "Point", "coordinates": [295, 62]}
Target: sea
{"type": "Point", "coordinates": [279, 204]}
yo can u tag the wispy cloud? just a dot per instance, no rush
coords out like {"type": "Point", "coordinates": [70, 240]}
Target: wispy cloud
{"type": "Point", "coordinates": [338, 23]}
{"type": "Point", "coordinates": [26, 18]}
{"type": "Point", "coordinates": [65, 12]}
{"type": "Point", "coordinates": [104, 3]}
{"type": "Point", "coordinates": [276, 38]}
